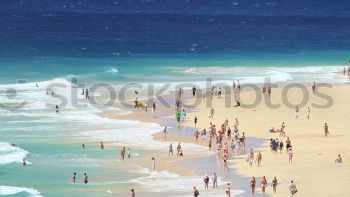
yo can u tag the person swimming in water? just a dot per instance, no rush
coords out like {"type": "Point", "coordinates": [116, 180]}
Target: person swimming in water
{"type": "Point", "coordinates": [24, 163]}
{"type": "Point", "coordinates": [86, 178]}
{"type": "Point", "coordinates": [74, 178]}
{"type": "Point", "coordinates": [57, 109]}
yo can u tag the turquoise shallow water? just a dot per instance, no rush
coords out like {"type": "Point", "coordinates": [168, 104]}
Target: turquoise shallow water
{"type": "Point", "coordinates": [52, 142]}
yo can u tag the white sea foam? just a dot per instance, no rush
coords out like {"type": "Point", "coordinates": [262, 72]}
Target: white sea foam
{"type": "Point", "coordinates": [10, 154]}
{"type": "Point", "coordinates": [163, 181]}
{"type": "Point", "coordinates": [11, 190]}
{"type": "Point", "coordinates": [112, 70]}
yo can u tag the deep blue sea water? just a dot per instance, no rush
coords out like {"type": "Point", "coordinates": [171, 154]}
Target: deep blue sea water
{"type": "Point", "coordinates": [159, 41]}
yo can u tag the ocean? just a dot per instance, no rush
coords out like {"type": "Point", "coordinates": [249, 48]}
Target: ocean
{"type": "Point", "coordinates": [148, 42]}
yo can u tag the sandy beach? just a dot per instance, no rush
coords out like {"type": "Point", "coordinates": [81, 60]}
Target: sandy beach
{"type": "Point", "coordinates": [313, 169]}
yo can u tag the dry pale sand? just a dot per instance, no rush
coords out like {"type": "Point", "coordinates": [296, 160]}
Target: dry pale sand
{"type": "Point", "coordinates": [313, 169]}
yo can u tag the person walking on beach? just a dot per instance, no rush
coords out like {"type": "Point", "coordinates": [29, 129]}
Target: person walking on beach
{"type": "Point", "coordinates": [86, 178]}
{"type": "Point", "coordinates": [215, 180]}
{"type": "Point", "coordinates": [171, 149]}
{"type": "Point", "coordinates": [178, 148]}
{"type": "Point", "coordinates": [195, 192]}
{"type": "Point", "coordinates": [74, 178]}
{"type": "Point", "coordinates": [269, 90]}
{"type": "Point", "coordinates": [325, 128]}
{"type": "Point", "coordinates": [195, 121]}
{"type": "Point", "coordinates": [196, 134]}
{"type": "Point", "coordinates": [153, 164]}
{"type": "Point", "coordinates": [250, 158]}
{"type": "Point", "coordinates": [292, 188]}
{"type": "Point", "coordinates": [102, 146]}
{"type": "Point", "coordinates": [259, 158]}
{"type": "Point", "coordinates": [274, 184]}
{"type": "Point", "coordinates": [194, 90]}
{"type": "Point", "coordinates": [165, 133]}
{"type": "Point", "coordinates": [211, 113]}
{"type": "Point", "coordinates": [133, 193]}
{"type": "Point", "coordinates": [252, 184]}
{"type": "Point", "coordinates": [263, 183]}
{"type": "Point", "coordinates": [206, 182]}
{"type": "Point", "coordinates": [122, 154]}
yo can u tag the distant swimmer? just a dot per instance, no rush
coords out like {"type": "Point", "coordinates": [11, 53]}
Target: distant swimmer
{"type": "Point", "coordinates": [57, 110]}
{"type": "Point", "coordinates": [102, 146]}
{"type": "Point", "coordinates": [87, 94]}
{"type": "Point", "coordinates": [37, 85]}
{"type": "Point", "coordinates": [74, 178]}
{"type": "Point", "coordinates": [83, 145]}
{"type": "Point", "coordinates": [52, 93]}
{"type": "Point", "coordinates": [83, 93]}
{"type": "Point", "coordinates": [136, 92]}
{"type": "Point", "coordinates": [86, 178]}
{"type": "Point", "coordinates": [14, 145]}
{"type": "Point", "coordinates": [24, 163]}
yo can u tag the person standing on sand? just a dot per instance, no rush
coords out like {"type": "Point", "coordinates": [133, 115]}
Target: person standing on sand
{"type": "Point", "coordinates": [296, 112]}
{"type": "Point", "coordinates": [133, 193]}
{"type": "Point", "coordinates": [292, 188]}
{"type": "Point", "coordinates": [290, 155]}
{"type": "Point", "coordinates": [171, 149]}
{"type": "Point", "coordinates": [206, 182]}
{"type": "Point", "coordinates": [252, 184]}
{"type": "Point", "coordinates": [259, 158]}
{"type": "Point", "coordinates": [274, 184]}
{"type": "Point", "coordinates": [154, 107]}
{"type": "Point", "coordinates": [269, 90]}
{"type": "Point", "coordinates": [195, 121]}
{"type": "Point", "coordinates": [308, 111]}
{"type": "Point", "coordinates": [178, 116]}
{"type": "Point", "coordinates": [153, 164]}
{"type": "Point", "coordinates": [263, 183]}
{"type": "Point", "coordinates": [250, 158]}
{"type": "Point", "coordinates": [183, 115]}
{"type": "Point", "coordinates": [165, 133]}
{"type": "Point", "coordinates": [215, 180]}
{"type": "Point", "coordinates": [325, 128]}
{"type": "Point", "coordinates": [314, 87]}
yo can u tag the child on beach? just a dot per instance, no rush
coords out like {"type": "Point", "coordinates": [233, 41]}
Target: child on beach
{"type": "Point", "coordinates": [339, 160]}
{"type": "Point", "coordinates": [183, 115]}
